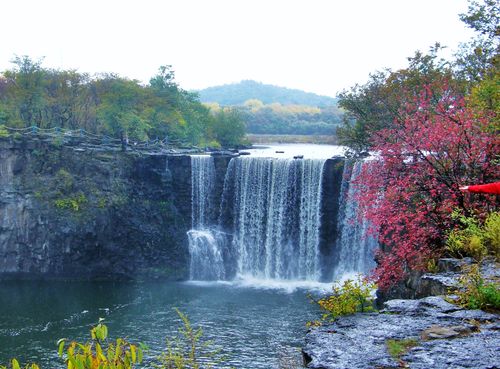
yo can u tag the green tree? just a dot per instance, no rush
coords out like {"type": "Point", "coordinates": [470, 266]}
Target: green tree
{"type": "Point", "coordinates": [228, 128]}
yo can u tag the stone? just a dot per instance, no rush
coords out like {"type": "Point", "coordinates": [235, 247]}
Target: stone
{"type": "Point", "coordinates": [359, 341]}
{"type": "Point", "coordinates": [438, 332]}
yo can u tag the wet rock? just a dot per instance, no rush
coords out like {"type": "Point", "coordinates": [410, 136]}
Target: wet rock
{"type": "Point", "coordinates": [437, 332]}
{"type": "Point", "coordinates": [359, 341]}
{"type": "Point", "coordinates": [446, 265]}
{"type": "Point", "coordinates": [437, 284]}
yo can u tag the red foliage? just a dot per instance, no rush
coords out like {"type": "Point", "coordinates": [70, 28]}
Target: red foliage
{"type": "Point", "coordinates": [423, 159]}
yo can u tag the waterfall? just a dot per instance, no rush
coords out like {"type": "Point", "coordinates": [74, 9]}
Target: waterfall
{"type": "Point", "coordinates": [276, 211]}
{"type": "Point", "coordinates": [271, 210]}
{"type": "Point", "coordinates": [205, 243]}
{"type": "Point", "coordinates": [202, 189]}
{"type": "Point", "coordinates": [355, 247]}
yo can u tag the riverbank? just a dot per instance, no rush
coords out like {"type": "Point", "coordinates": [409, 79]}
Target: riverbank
{"type": "Point", "coordinates": [419, 333]}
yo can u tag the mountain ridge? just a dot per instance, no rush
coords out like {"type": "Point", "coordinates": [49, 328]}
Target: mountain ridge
{"type": "Point", "coordinates": [238, 93]}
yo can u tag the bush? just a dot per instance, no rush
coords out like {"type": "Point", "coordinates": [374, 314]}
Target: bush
{"type": "Point", "coordinates": [349, 298]}
{"type": "Point", "coordinates": [475, 239]}
{"type": "Point", "coordinates": [3, 131]}
{"type": "Point", "coordinates": [99, 354]}
{"type": "Point", "coordinates": [476, 293]}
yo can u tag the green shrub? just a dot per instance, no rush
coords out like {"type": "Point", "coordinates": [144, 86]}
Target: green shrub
{"type": "Point", "coordinates": [189, 350]}
{"type": "Point", "coordinates": [74, 203]}
{"type": "Point", "coordinates": [3, 131]}
{"type": "Point", "coordinates": [349, 298]}
{"type": "Point", "coordinates": [492, 233]}
{"type": "Point", "coordinates": [475, 293]}
{"type": "Point", "coordinates": [474, 239]}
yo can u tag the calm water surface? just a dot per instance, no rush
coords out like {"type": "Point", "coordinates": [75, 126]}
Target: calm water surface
{"type": "Point", "coordinates": [254, 325]}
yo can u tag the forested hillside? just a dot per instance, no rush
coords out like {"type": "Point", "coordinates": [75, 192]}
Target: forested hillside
{"type": "Point", "coordinates": [268, 109]}
{"type": "Point", "coordinates": [238, 93]}
{"type": "Point", "coordinates": [107, 104]}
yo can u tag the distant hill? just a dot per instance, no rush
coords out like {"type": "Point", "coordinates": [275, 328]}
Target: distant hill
{"type": "Point", "coordinates": [238, 93]}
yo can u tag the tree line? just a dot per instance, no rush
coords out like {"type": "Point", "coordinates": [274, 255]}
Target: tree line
{"type": "Point", "coordinates": [276, 118]}
{"type": "Point", "coordinates": [31, 95]}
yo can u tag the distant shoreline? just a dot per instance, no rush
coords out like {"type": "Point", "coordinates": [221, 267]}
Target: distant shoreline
{"type": "Point", "coordinates": [272, 139]}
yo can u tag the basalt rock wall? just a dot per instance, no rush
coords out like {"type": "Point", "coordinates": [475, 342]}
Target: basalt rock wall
{"type": "Point", "coordinates": [76, 212]}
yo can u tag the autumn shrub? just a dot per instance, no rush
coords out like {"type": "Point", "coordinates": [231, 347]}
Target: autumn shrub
{"type": "Point", "coordinates": [350, 297]}
{"type": "Point", "coordinates": [99, 352]}
{"type": "Point", "coordinates": [14, 364]}
{"type": "Point", "coordinates": [476, 293]}
{"type": "Point", "coordinates": [408, 194]}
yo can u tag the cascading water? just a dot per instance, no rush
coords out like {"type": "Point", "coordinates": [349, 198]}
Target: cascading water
{"type": "Point", "coordinates": [271, 210]}
{"type": "Point", "coordinates": [276, 211]}
{"type": "Point", "coordinates": [205, 244]}
{"type": "Point", "coordinates": [355, 245]}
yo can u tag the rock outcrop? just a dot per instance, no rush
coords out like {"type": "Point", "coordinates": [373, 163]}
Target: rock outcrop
{"type": "Point", "coordinates": [77, 212]}
{"type": "Point", "coordinates": [446, 336]}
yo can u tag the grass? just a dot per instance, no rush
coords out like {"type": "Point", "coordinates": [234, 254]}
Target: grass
{"type": "Point", "coordinates": [398, 348]}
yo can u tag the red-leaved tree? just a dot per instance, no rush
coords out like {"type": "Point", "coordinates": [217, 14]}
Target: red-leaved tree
{"type": "Point", "coordinates": [410, 190]}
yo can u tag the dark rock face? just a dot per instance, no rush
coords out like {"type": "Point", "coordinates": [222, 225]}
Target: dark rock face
{"type": "Point", "coordinates": [82, 213]}
{"type": "Point", "coordinates": [331, 187]}
{"type": "Point", "coordinates": [359, 341]}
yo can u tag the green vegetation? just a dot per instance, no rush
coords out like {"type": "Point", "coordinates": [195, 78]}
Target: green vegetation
{"type": "Point", "coordinates": [473, 238]}
{"type": "Point", "coordinates": [187, 351]}
{"type": "Point", "coordinates": [238, 93]}
{"type": "Point", "coordinates": [270, 138]}
{"type": "Point", "coordinates": [475, 293]}
{"type": "Point", "coordinates": [74, 203]}
{"type": "Point", "coordinates": [398, 348]}
{"type": "Point", "coordinates": [99, 353]}
{"type": "Point", "coordinates": [107, 104]}
{"type": "Point", "coordinates": [276, 118]}
{"type": "Point", "coordinates": [14, 364]}
{"type": "Point", "coordinates": [268, 109]}
{"type": "Point", "coordinates": [349, 298]}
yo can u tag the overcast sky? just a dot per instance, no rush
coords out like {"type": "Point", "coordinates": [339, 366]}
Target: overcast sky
{"type": "Point", "coordinates": [320, 46]}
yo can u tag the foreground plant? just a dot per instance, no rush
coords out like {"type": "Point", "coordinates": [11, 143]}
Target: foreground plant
{"type": "Point", "coordinates": [189, 350]}
{"type": "Point", "coordinates": [14, 364]}
{"type": "Point", "coordinates": [476, 293]}
{"type": "Point", "coordinates": [351, 297]}
{"type": "Point", "coordinates": [99, 353]}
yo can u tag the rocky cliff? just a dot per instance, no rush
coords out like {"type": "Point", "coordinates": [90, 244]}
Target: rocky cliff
{"type": "Point", "coordinates": [88, 213]}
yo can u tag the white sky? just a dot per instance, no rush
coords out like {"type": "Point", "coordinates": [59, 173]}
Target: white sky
{"type": "Point", "coordinates": [322, 46]}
